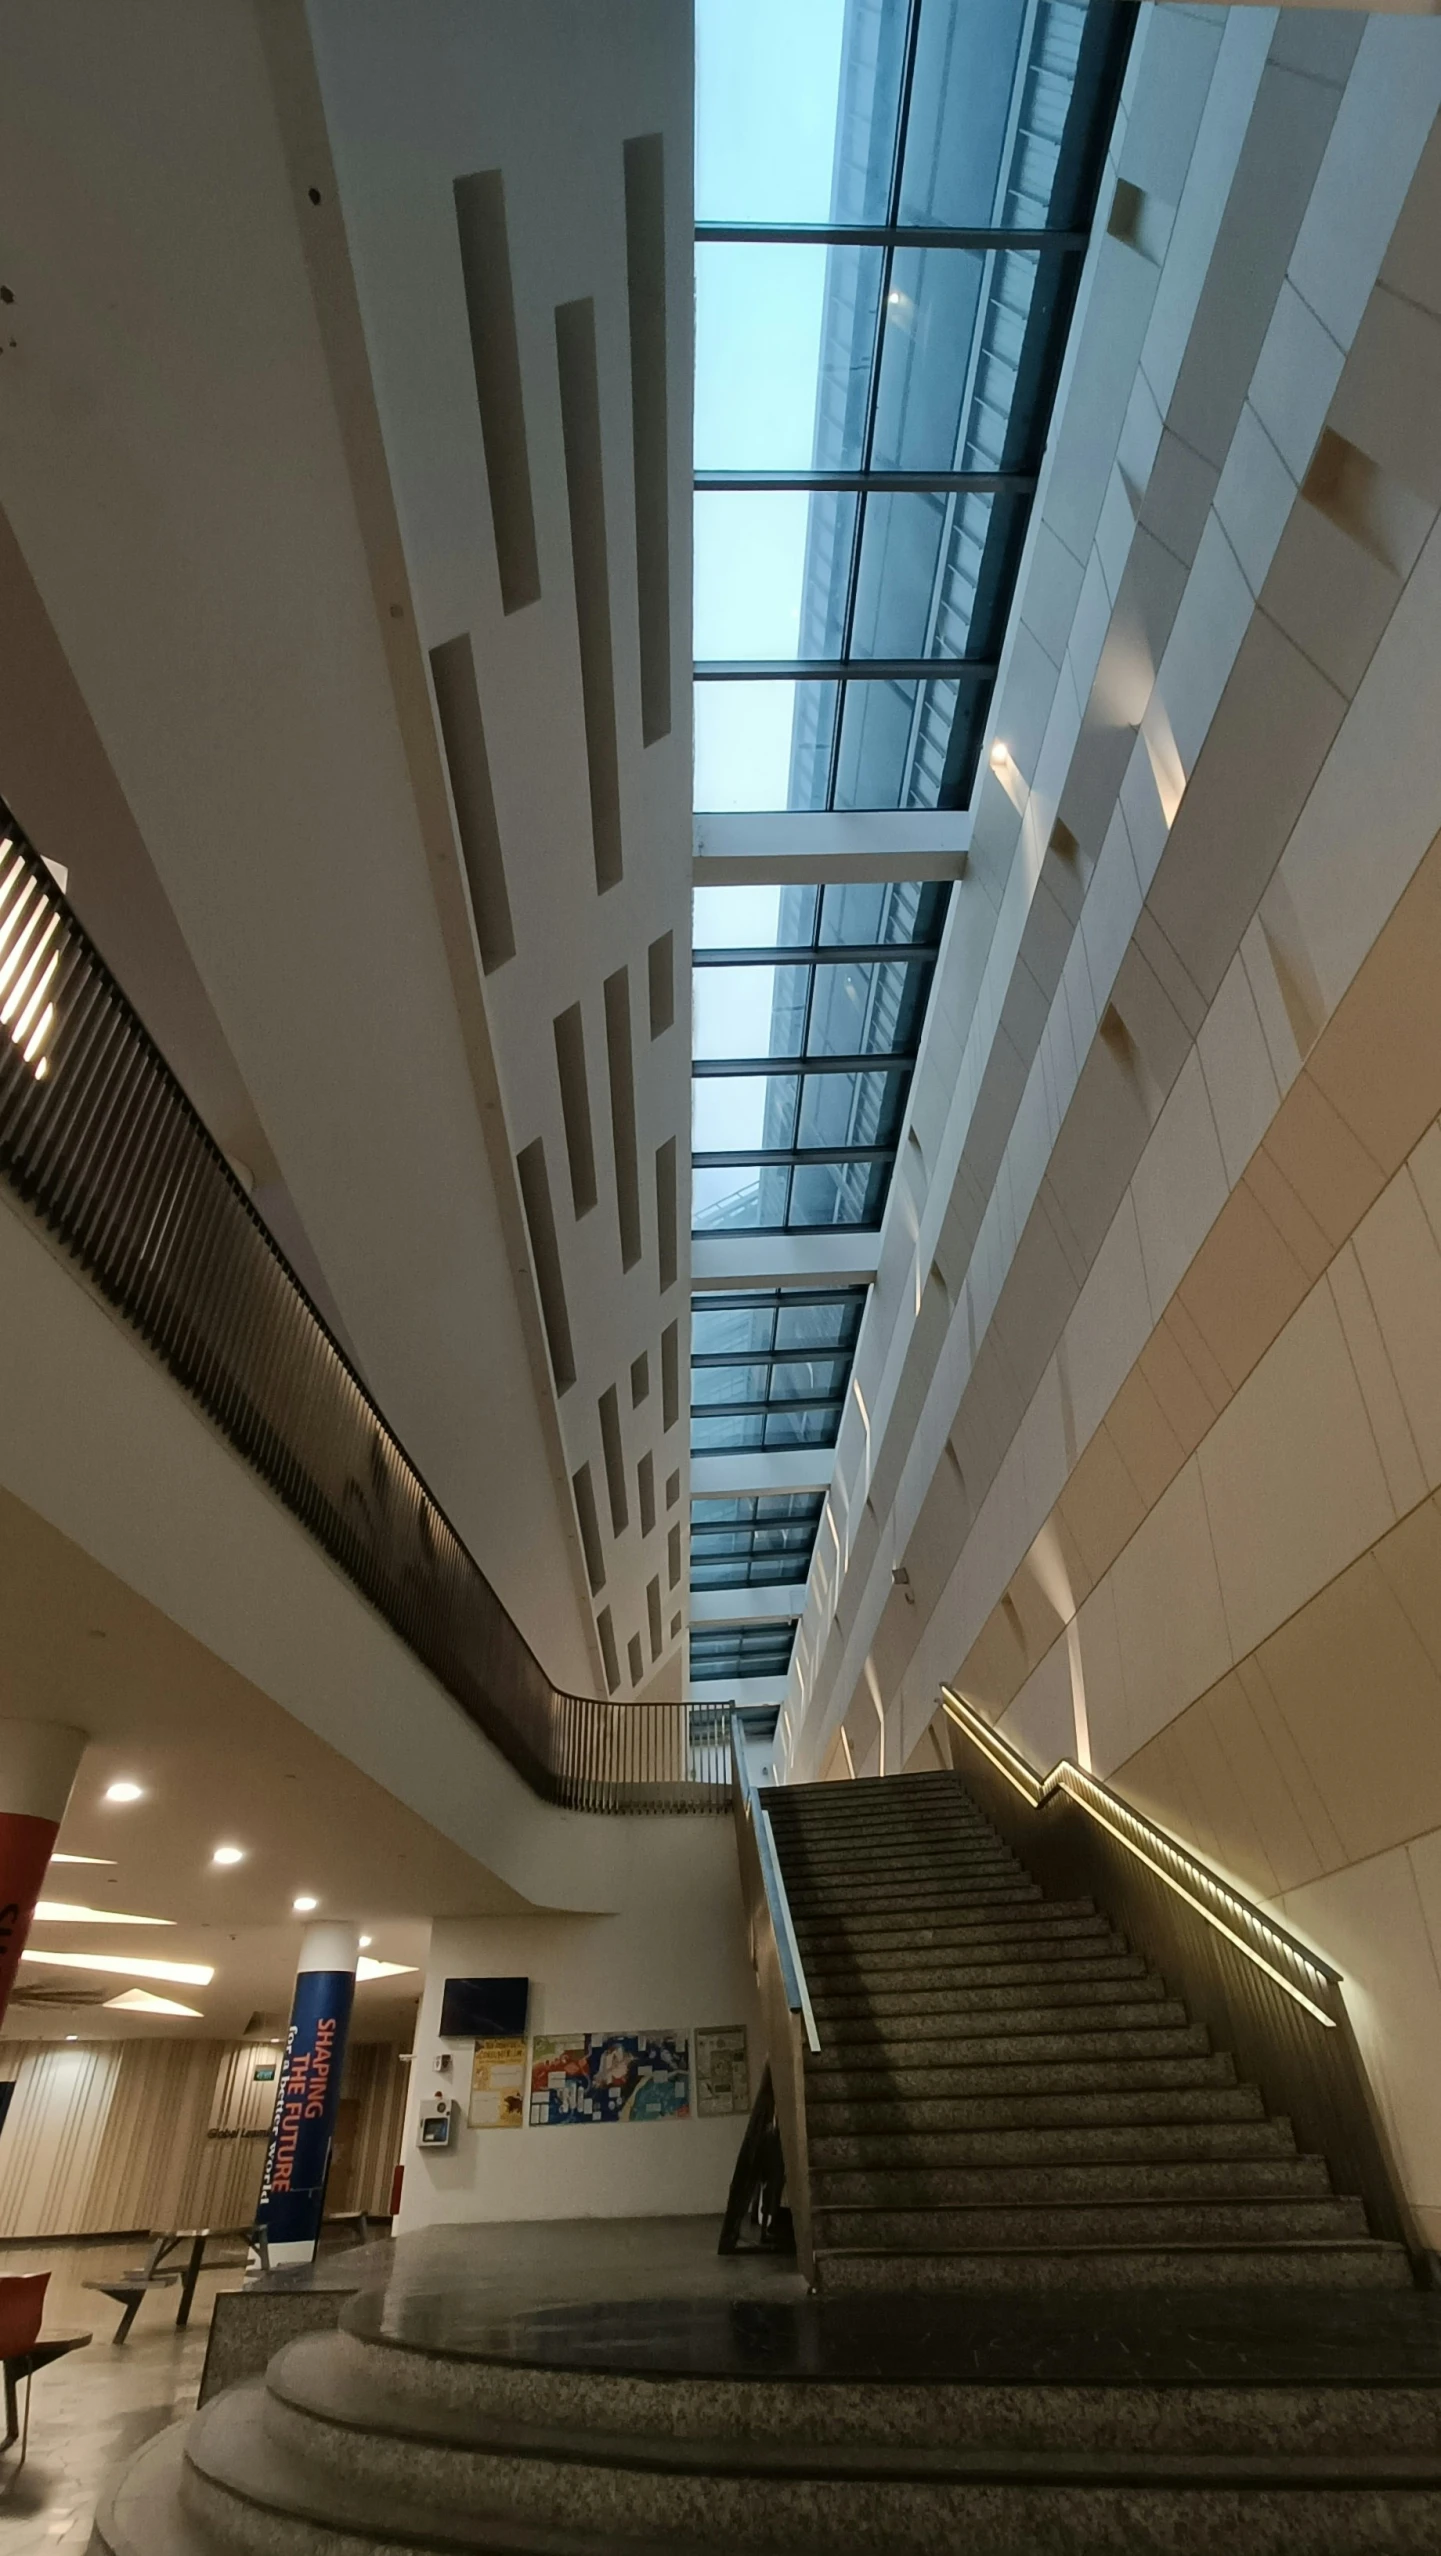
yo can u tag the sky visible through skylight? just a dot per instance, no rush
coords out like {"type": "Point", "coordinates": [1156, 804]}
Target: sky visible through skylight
{"type": "Point", "coordinates": [767, 86]}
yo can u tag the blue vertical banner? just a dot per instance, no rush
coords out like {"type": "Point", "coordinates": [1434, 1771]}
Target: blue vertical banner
{"type": "Point", "coordinates": [292, 2190]}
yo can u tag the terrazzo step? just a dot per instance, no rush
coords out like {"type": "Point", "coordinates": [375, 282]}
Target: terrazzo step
{"type": "Point", "coordinates": [141, 2513]}
{"type": "Point", "coordinates": [933, 1900]}
{"type": "Point", "coordinates": [1363, 2263]}
{"type": "Point", "coordinates": [1071, 2178]}
{"type": "Point", "coordinates": [863, 1932]}
{"type": "Point", "coordinates": [949, 2115]}
{"type": "Point", "coordinates": [816, 2406]}
{"type": "Point", "coordinates": [1146, 2088]}
{"type": "Point", "coordinates": [1107, 2005]}
{"type": "Point", "coordinates": [773, 2493]}
{"type": "Point", "coordinates": [920, 1856]}
{"type": "Point", "coordinates": [959, 2228]}
{"type": "Point", "coordinates": [1115, 2032]}
{"type": "Point", "coordinates": [1212, 2145]}
{"type": "Point", "coordinates": [1050, 1970]}
{"type": "Point", "coordinates": [1016, 1941]}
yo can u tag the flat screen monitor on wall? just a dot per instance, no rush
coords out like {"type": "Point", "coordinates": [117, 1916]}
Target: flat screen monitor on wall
{"type": "Point", "coordinates": [484, 2009]}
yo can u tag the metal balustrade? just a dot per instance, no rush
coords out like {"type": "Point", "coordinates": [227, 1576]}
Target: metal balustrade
{"type": "Point", "coordinates": [99, 1142]}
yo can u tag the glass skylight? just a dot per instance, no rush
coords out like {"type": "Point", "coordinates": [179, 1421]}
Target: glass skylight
{"type": "Point", "coordinates": [734, 1651]}
{"type": "Point", "coordinates": [760, 1540]}
{"type": "Point", "coordinates": [892, 203]}
{"type": "Point", "coordinates": [807, 1016]}
{"type": "Point", "coordinates": [770, 1369]}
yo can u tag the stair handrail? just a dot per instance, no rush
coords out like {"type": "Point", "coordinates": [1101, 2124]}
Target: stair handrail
{"type": "Point", "coordinates": [1302, 1973]}
{"type": "Point", "coordinates": [1268, 2010]}
{"type": "Point", "coordinates": [798, 1995]}
{"type": "Point", "coordinates": [787, 2016]}
{"type": "Point", "coordinates": [102, 1146]}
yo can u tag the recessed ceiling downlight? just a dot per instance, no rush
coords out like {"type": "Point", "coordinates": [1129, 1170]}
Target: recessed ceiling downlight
{"type": "Point", "coordinates": [304, 1904]}
{"type": "Point", "coordinates": [228, 1855]}
{"type": "Point", "coordinates": [125, 1791]}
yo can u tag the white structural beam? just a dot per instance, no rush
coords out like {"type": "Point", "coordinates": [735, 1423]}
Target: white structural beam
{"type": "Point", "coordinates": [784, 1260]}
{"type": "Point", "coordinates": [725, 1477]}
{"type": "Point", "coordinates": [848, 844]}
{"type": "Point", "coordinates": [748, 1606]}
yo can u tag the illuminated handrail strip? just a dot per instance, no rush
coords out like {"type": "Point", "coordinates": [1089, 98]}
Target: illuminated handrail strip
{"type": "Point", "coordinates": [798, 1995]}
{"type": "Point", "coordinates": [1159, 1852]}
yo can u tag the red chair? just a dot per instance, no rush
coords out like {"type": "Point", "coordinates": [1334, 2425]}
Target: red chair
{"type": "Point", "coordinates": [22, 2309]}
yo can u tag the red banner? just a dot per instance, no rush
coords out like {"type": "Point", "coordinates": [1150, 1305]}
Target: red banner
{"type": "Point", "coordinates": [25, 1845]}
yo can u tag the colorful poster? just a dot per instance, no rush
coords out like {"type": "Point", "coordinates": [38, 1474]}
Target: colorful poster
{"type": "Point", "coordinates": [722, 2074]}
{"type": "Point", "coordinates": [497, 2086]}
{"type": "Point", "coordinates": [609, 2076]}
{"type": "Point", "coordinates": [292, 2190]}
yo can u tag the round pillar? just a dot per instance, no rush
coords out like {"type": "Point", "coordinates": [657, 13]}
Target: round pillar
{"type": "Point", "coordinates": [297, 2161]}
{"type": "Point", "coordinates": [38, 1762]}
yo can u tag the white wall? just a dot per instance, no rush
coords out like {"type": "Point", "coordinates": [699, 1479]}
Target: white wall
{"type": "Point", "coordinates": [673, 1956]}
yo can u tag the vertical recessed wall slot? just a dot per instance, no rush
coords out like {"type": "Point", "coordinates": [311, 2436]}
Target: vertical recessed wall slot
{"type": "Point", "coordinates": [667, 1229]}
{"type": "Point", "coordinates": [575, 1107]}
{"type": "Point", "coordinates": [606, 1630]}
{"type": "Point", "coordinates": [462, 734]}
{"type": "Point", "coordinates": [614, 1453]}
{"type": "Point", "coordinates": [660, 976]}
{"type": "Point", "coordinates": [545, 1252]}
{"type": "Point", "coordinates": [585, 1510]}
{"type": "Point", "coordinates": [585, 488]}
{"type": "Point", "coordinates": [622, 1114]}
{"type": "Point", "coordinates": [652, 1608]}
{"type": "Point", "coordinates": [645, 1484]}
{"type": "Point", "coordinates": [495, 355]}
{"type": "Point", "coordinates": [669, 1376]}
{"type": "Point", "coordinates": [645, 285]}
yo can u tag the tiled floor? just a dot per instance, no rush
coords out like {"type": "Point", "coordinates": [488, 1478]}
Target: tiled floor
{"type": "Point", "coordinates": [91, 2410]}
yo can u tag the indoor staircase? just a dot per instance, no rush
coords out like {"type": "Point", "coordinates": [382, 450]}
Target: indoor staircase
{"type": "Point", "coordinates": [1005, 2094]}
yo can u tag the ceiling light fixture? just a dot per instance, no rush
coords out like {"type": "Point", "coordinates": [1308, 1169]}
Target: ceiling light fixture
{"type": "Point", "coordinates": [185, 1974]}
{"type": "Point", "coordinates": [82, 1859]}
{"type": "Point", "coordinates": [366, 1940]}
{"type": "Point", "coordinates": [125, 1791]}
{"type": "Point", "coordinates": [304, 1904]}
{"type": "Point", "coordinates": [383, 1969]}
{"type": "Point", "coordinates": [140, 2001]}
{"type": "Point", "coordinates": [228, 1855]}
{"type": "Point", "coordinates": [64, 1912]}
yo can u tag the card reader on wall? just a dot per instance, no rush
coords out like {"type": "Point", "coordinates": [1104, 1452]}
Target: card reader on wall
{"type": "Point", "coordinates": [437, 2120]}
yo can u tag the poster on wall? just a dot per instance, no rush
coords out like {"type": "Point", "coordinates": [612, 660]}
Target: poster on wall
{"type": "Point", "coordinates": [609, 2076]}
{"type": "Point", "coordinates": [722, 2074]}
{"type": "Point", "coordinates": [497, 2085]}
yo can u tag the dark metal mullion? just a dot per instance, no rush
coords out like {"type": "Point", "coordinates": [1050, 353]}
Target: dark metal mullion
{"type": "Point", "coordinates": [709, 1358]}
{"type": "Point", "coordinates": [979, 237]}
{"type": "Point", "coordinates": [720, 1069]}
{"type": "Point", "coordinates": [823, 953]}
{"type": "Point", "coordinates": [914, 483]}
{"type": "Point", "coordinates": [843, 669]}
{"type": "Point", "coordinates": [776, 1157]}
{"type": "Point", "coordinates": [750, 1410]}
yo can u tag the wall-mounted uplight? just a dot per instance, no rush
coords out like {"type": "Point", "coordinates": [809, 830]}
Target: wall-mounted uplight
{"type": "Point", "coordinates": [125, 1791]}
{"type": "Point", "coordinates": [1000, 756]}
{"type": "Point", "coordinates": [228, 1855]}
{"type": "Point", "coordinates": [304, 1904]}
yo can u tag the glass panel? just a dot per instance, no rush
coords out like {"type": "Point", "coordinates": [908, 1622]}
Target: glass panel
{"type": "Point", "coordinates": [824, 1194]}
{"type": "Point", "coordinates": [797, 1379]}
{"type": "Point", "coordinates": [753, 918]}
{"type": "Point", "coordinates": [726, 1198]}
{"type": "Point", "coordinates": [762, 745]}
{"type": "Point", "coordinates": [730, 1384]}
{"type": "Point", "coordinates": [852, 1109]}
{"type": "Point", "coordinates": [796, 109]}
{"type": "Point", "coordinates": [899, 584]}
{"type": "Point", "coordinates": [750, 554]}
{"type": "Point", "coordinates": [866, 1007]}
{"type": "Point", "coordinates": [782, 330]}
{"type": "Point", "coordinates": [730, 1330]}
{"type": "Point", "coordinates": [818, 1326]}
{"type": "Point", "coordinates": [749, 1011]}
{"type": "Point", "coordinates": [906, 911]}
{"type": "Point", "coordinates": [875, 745]}
{"type": "Point", "coordinates": [726, 1433]}
{"type": "Point", "coordinates": [803, 1428]}
{"type": "Point", "coordinates": [929, 324]}
{"type": "Point", "coordinates": [741, 1113]}
{"type": "Point", "coordinates": [968, 62]}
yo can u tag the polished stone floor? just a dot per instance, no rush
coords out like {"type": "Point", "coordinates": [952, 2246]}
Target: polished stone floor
{"type": "Point", "coordinates": [91, 2411]}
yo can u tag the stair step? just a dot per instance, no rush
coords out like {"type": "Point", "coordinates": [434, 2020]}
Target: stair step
{"type": "Point", "coordinates": [932, 1901]}
{"type": "Point", "coordinates": [1028, 1919]}
{"type": "Point", "coordinates": [963, 2226]}
{"type": "Point", "coordinates": [1151, 2032]}
{"type": "Point", "coordinates": [919, 2150]}
{"type": "Point", "coordinates": [1051, 1970]}
{"type": "Point", "coordinates": [1013, 1941]}
{"type": "Point", "coordinates": [1092, 2005]}
{"type": "Point", "coordinates": [830, 2077]}
{"type": "Point", "coordinates": [1363, 2263]}
{"type": "Point", "coordinates": [1240, 2177]}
